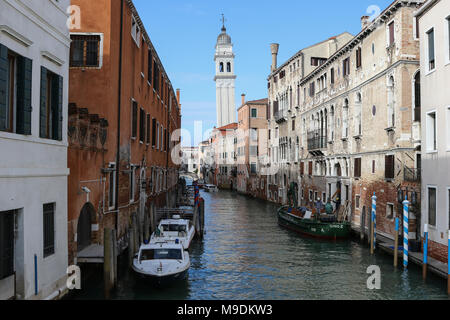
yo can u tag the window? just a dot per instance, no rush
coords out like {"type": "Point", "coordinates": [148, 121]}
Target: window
{"type": "Point", "coordinates": [318, 61]}
{"type": "Point", "coordinates": [253, 168]}
{"type": "Point", "coordinates": [157, 138]}
{"type": "Point", "coordinates": [431, 137]}
{"type": "Point", "coordinates": [389, 168]}
{"type": "Point", "coordinates": [357, 168]}
{"type": "Point", "coordinates": [345, 120]}
{"type": "Point", "coordinates": [302, 168]}
{"type": "Point", "coordinates": [15, 92]}
{"type": "Point", "coordinates": [310, 195]}
{"type": "Point", "coordinates": [142, 125]}
{"type": "Point", "coordinates": [346, 67]}
{"type": "Point", "coordinates": [134, 115]}
{"type": "Point", "coordinates": [228, 67]}
{"type": "Point", "coordinates": [432, 206]}
{"type": "Point", "coordinates": [132, 183]}
{"type": "Point", "coordinates": [311, 89]}
{"type": "Point", "coordinates": [431, 56]}
{"type": "Point", "coordinates": [373, 166]}
{"type": "Point", "coordinates": [390, 211]}
{"type": "Point", "coordinates": [254, 113]}
{"type": "Point", "coordinates": [156, 76]}
{"type": "Point", "coordinates": [51, 114]}
{"type": "Point", "coordinates": [332, 76]}
{"type": "Point", "coordinates": [357, 201]}
{"type": "Point", "coordinates": [135, 31]}
{"type": "Point", "coordinates": [85, 51]}
{"type": "Point", "coordinates": [221, 67]}
{"type": "Point", "coordinates": [112, 186]}
{"type": "Point", "coordinates": [358, 58]}
{"type": "Point", "coordinates": [310, 168]}
{"type": "Point", "coordinates": [6, 244]}
{"type": "Point", "coordinates": [391, 33]}
{"type": "Point", "coordinates": [49, 229]}
{"type": "Point", "coordinates": [154, 132]}
{"type": "Point", "coordinates": [150, 64]}
{"type": "Point", "coordinates": [417, 102]}
{"type": "Point", "coordinates": [148, 130]}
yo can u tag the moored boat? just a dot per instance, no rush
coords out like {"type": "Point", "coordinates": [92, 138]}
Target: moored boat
{"type": "Point", "coordinates": [175, 229]}
{"type": "Point", "coordinates": [325, 226]}
{"type": "Point", "coordinates": [210, 188]}
{"type": "Point", "coordinates": [162, 262]}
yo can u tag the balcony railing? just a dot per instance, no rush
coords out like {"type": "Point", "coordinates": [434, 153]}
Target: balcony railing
{"type": "Point", "coordinates": [316, 140]}
{"type": "Point", "coordinates": [280, 116]}
{"type": "Point", "coordinates": [412, 175]}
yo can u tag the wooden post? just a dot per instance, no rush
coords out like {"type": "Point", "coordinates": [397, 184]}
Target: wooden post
{"type": "Point", "coordinates": [397, 226]}
{"type": "Point", "coordinates": [363, 226]}
{"type": "Point", "coordinates": [425, 253]}
{"type": "Point", "coordinates": [114, 257]}
{"type": "Point", "coordinates": [108, 263]}
{"type": "Point", "coordinates": [369, 231]}
{"type": "Point", "coordinates": [130, 246]}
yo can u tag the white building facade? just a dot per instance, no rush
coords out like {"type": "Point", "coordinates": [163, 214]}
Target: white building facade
{"type": "Point", "coordinates": [34, 54]}
{"type": "Point", "coordinates": [434, 34]}
{"type": "Point", "coordinates": [225, 80]}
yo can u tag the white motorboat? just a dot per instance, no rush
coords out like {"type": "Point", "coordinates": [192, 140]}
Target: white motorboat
{"type": "Point", "coordinates": [162, 262]}
{"type": "Point", "coordinates": [210, 188]}
{"type": "Point", "coordinates": [171, 230]}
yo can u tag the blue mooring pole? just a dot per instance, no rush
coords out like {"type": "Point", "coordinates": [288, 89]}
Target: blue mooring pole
{"type": "Point", "coordinates": [36, 291]}
{"type": "Point", "coordinates": [374, 224]}
{"type": "Point", "coordinates": [425, 252]}
{"type": "Point", "coordinates": [405, 231]}
{"type": "Point", "coordinates": [397, 228]}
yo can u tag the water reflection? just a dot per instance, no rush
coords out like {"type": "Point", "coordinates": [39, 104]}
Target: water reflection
{"type": "Point", "coordinates": [246, 255]}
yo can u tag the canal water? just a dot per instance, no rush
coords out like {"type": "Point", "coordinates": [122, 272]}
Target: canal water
{"type": "Point", "coordinates": [246, 255]}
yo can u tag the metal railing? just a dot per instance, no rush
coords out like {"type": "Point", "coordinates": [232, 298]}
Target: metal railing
{"type": "Point", "coordinates": [316, 140]}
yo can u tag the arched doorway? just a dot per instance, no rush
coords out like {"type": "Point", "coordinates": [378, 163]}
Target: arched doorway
{"type": "Point", "coordinates": [84, 226]}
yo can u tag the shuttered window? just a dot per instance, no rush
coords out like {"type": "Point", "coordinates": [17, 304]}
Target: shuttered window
{"type": "Point", "coordinates": [150, 65]}
{"type": "Point", "coordinates": [332, 75]}
{"type": "Point", "coordinates": [49, 229]}
{"type": "Point", "coordinates": [346, 67]}
{"type": "Point", "coordinates": [357, 168]}
{"type": "Point", "coordinates": [302, 168]}
{"type": "Point", "coordinates": [51, 115]}
{"type": "Point", "coordinates": [154, 132]}
{"type": "Point", "coordinates": [142, 125]}
{"type": "Point", "coordinates": [358, 57]}
{"type": "Point", "coordinates": [389, 167]}
{"type": "Point", "coordinates": [148, 129]}
{"type": "Point", "coordinates": [6, 244]}
{"type": "Point", "coordinates": [15, 92]}
{"type": "Point", "coordinates": [391, 34]}
{"type": "Point", "coordinates": [155, 76]}
{"type": "Point", "coordinates": [310, 168]}
{"type": "Point", "coordinates": [134, 119]}
{"type": "Point", "coordinates": [431, 56]}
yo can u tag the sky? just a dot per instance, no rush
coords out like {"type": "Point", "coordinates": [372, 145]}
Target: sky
{"type": "Point", "coordinates": [184, 33]}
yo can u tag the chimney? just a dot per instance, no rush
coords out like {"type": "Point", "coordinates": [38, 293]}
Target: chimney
{"type": "Point", "coordinates": [243, 98]}
{"type": "Point", "coordinates": [274, 49]}
{"type": "Point", "coordinates": [178, 96]}
{"type": "Point", "coordinates": [364, 22]}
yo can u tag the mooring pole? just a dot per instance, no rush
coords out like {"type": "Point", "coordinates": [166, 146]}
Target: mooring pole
{"type": "Point", "coordinates": [405, 232]}
{"type": "Point", "coordinates": [425, 252]}
{"type": "Point", "coordinates": [108, 264]}
{"type": "Point", "coordinates": [397, 227]}
{"type": "Point", "coordinates": [373, 226]}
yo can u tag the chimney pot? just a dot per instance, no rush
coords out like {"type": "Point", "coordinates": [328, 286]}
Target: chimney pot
{"type": "Point", "coordinates": [243, 98]}
{"type": "Point", "coordinates": [178, 96]}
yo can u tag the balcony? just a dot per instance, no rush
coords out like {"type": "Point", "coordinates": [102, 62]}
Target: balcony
{"type": "Point", "coordinates": [411, 175]}
{"type": "Point", "coordinates": [281, 116]}
{"type": "Point", "coordinates": [316, 142]}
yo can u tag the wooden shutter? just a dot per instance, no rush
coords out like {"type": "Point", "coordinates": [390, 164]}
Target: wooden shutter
{"type": "Point", "coordinates": [310, 168]}
{"type": "Point", "coordinates": [332, 75]}
{"type": "Point", "coordinates": [357, 167]}
{"type": "Point", "coordinates": [24, 84]}
{"type": "Point", "coordinates": [57, 107]}
{"type": "Point", "coordinates": [302, 168]}
{"type": "Point", "coordinates": [148, 128]}
{"type": "Point", "coordinates": [3, 85]}
{"type": "Point", "coordinates": [134, 116]}
{"type": "Point", "coordinates": [389, 167]}
{"type": "Point", "coordinates": [154, 132]}
{"type": "Point", "coordinates": [43, 105]}
{"type": "Point", "coordinates": [391, 34]}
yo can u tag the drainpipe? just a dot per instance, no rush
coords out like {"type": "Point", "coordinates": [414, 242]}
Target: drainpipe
{"type": "Point", "coordinates": [118, 117]}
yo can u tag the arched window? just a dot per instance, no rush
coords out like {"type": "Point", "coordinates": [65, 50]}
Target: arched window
{"type": "Point", "coordinates": [228, 67]}
{"type": "Point", "coordinates": [221, 67]}
{"type": "Point", "coordinates": [332, 123]}
{"type": "Point", "coordinates": [358, 118]}
{"type": "Point", "coordinates": [345, 120]}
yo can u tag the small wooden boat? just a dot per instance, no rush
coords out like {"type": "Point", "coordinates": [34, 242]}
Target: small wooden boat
{"type": "Point", "coordinates": [162, 262]}
{"type": "Point", "coordinates": [323, 226]}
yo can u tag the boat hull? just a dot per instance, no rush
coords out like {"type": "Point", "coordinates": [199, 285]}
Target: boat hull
{"type": "Point", "coordinates": [313, 228]}
{"type": "Point", "coordinates": [162, 280]}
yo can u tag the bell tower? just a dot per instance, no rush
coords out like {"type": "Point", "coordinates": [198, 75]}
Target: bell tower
{"type": "Point", "coordinates": [225, 79]}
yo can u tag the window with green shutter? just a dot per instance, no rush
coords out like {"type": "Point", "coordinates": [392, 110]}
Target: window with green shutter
{"type": "Point", "coordinates": [51, 108]}
{"type": "Point", "coordinates": [15, 92]}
